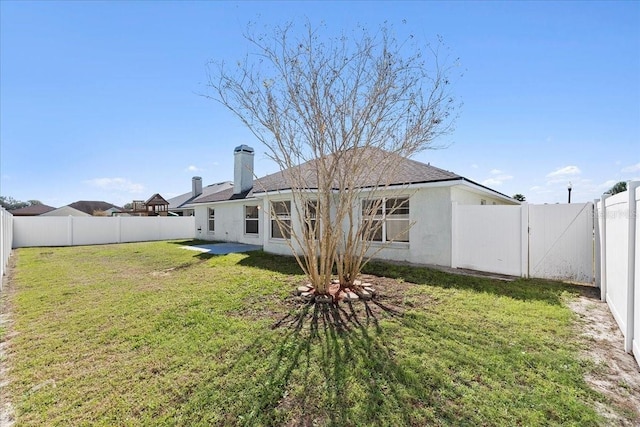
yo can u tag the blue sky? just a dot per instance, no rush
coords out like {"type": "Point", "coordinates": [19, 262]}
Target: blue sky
{"type": "Point", "coordinates": [99, 100]}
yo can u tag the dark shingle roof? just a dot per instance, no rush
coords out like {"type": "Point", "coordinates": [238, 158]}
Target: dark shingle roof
{"type": "Point", "coordinates": [377, 168]}
{"type": "Point", "coordinates": [181, 200]}
{"type": "Point", "coordinates": [91, 206]}
{"type": "Point", "coordinates": [32, 210]}
{"type": "Point", "coordinates": [380, 168]}
{"type": "Point", "coordinates": [224, 195]}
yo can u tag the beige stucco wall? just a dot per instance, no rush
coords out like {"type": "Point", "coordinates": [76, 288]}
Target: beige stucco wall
{"type": "Point", "coordinates": [229, 223]}
{"type": "Point", "coordinates": [430, 233]}
{"type": "Point", "coordinates": [429, 212]}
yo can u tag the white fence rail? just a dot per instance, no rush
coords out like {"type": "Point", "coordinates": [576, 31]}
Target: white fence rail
{"type": "Point", "coordinates": [75, 231]}
{"type": "Point", "coordinates": [544, 241]}
{"type": "Point", "coordinates": [619, 249]}
{"type": "Point", "coordinates": [6, 239]}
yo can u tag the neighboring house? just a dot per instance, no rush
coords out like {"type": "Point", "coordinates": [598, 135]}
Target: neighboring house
{"type": "Point", "coordinates": [93, 207]}
{"type": "Point", "coordinates": [177, 205]}
{"type": "Point", "coordinates": [66, 211]}
{"type": "Point", "coordinates": [156, 205]}
{"type": "Point", "coordinates": [33, 210]}
{"type": "Point", "coordinates": [242, 213]}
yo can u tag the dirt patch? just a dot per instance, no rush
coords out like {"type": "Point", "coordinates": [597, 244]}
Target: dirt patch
{"type": "Point", "coordinates": [7, 418]}
{"type": "Point", "coordinates": [616, 374]}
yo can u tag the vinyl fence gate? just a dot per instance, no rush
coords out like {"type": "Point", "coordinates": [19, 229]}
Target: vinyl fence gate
{"type": "Point", "coordinates": [544, 241]}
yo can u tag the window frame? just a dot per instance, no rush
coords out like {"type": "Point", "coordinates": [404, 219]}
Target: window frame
{"type": "Point", "coordinates": [386, 214]}
{"type": "Point", "coordinates": [248, 219]}
{"type": "Point", "coordinates": [310, 220]}
{"type": "Point", "coordinates": [211, 220]}
{"type": "Point", "coordinates": [284, 218]}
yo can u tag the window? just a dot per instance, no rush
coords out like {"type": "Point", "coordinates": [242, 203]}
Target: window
{"type": "Point", "coordinates": [212, 220]}
{"type": "Point", "coordinates": [251, 219]}
{"type": "Point", "coordinates": [281, 220]}
{"type": "Point", "coordinates": [310, 220]}
{"type": "Point", "coordinates": [388, 219]}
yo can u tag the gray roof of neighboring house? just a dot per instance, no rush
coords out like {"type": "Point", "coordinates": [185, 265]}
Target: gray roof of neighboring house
{"type": "Point", "coordinates": [178, 202]}
{"type": "Point", "coordinates": [66, 211]}
{"type": "Point", "coordinates": [379, 168]}
{"type": "Point", "coordinates": [32, 210]}
{"type": "Point", "coordinates": [91, 206]}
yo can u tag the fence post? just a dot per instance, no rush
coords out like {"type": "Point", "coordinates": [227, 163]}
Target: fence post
{"type": "Point", "coordinates": [603, 249]}
{"type": "Point", "coordinates": [596, 244]}
{"type": "Point", "coordinates": [631, 265]}
{"type": "Point", "coordinates": [119, 229]}
{"type": "Point", "coordinates": [70, 231]}
{"type": "Point", "coordinates": [2, 244]}
{"type": "Point", "coordinates": [454, 234]}
{"type": "Point", "coordinates": [524, 240]}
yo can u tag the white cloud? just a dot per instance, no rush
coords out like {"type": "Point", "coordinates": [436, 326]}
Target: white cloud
{"type": "Point", "coordinates": [192, 168]}
{"type": "Point", "coordinates": [566, 171]}
{"type": "Point", "coordinates": [116, 184]}
{"type": "Point", "coordinates": [631, 168]}
{"type": "Point", "coordinates": [498, 178]}
{"type": "Point", "coordinates": [495, 171]}
{"type": "Point", "coordinates": [605, 185]}
{"type": "Point", "coordinates": [489, 182]}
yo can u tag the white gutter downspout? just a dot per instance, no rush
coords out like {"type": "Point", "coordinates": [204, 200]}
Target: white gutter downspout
{"type": "Point", "coordinates": [631, 267]}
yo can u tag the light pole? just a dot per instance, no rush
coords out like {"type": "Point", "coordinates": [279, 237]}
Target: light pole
{"type": "Point", "coordinates": [569, 188]}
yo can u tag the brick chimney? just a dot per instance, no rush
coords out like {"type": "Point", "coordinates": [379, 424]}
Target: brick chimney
{"type": "Point", "coordinates": [196, 186]}
{"type": "Point", "coordinates": [243, 169]}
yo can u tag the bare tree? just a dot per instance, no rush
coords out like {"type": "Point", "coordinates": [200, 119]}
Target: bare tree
{"type": "Point", "coordinates": [338, 116]}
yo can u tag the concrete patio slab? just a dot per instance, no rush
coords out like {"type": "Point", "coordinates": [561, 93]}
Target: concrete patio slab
{"type": "Point", "coordinates": [223, 248]}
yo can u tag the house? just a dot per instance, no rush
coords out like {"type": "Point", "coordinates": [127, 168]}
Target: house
{"type": "Point", "coordinates": [242, 213]}
{"type": "Point", "coordinates": [95, 208]}
{"type": "Point", "coordinates": [155, 205]}
{"type": "Point", "coordinates": [66, 211]}
{"type": "Point", "coordinates": [33, 210]}
{"type": "Point", "coordinates": [177, 205]}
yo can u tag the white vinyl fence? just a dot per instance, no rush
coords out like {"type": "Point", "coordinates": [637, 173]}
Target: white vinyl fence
{"type": "Point", "coordinates": [75, 231]}
{"type": "Point", "coordinates": [6, 239]}
{"type": "Point", "coordinates": [619, 248]}
{"type": "Point", "coordinates": [544, 241]}
{"type": "Point", "coordinates": [490, 238]}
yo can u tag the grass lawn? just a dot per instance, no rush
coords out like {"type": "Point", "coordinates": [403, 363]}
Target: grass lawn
{"type": "Point", "coordinates": [152, 334]}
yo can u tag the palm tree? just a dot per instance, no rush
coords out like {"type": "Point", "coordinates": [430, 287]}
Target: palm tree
{"type": "Point", "coordinates": [618, 188]}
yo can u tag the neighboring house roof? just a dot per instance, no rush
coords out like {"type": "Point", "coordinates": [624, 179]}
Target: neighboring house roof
{"type": "Point", "coordinates": [156, 199]}
{"type": "Point", "coordinates": [32, 210]}
{"type": "Point", "coordinates": [66, 211]}
{"type": "Point", "coordinates": [180, 201]}
{"type": "Point", "coordinates": [91, 206]}
{"type": "Point", "coordinates": [380, 168]}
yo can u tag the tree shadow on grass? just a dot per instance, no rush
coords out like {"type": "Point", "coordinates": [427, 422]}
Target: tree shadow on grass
{"type": "Point", "coordinates": [328, 365]}
{"type": "Point", "coordinates": [276, 263]}
{"type": "Point", "coordinates": [370, 364]}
